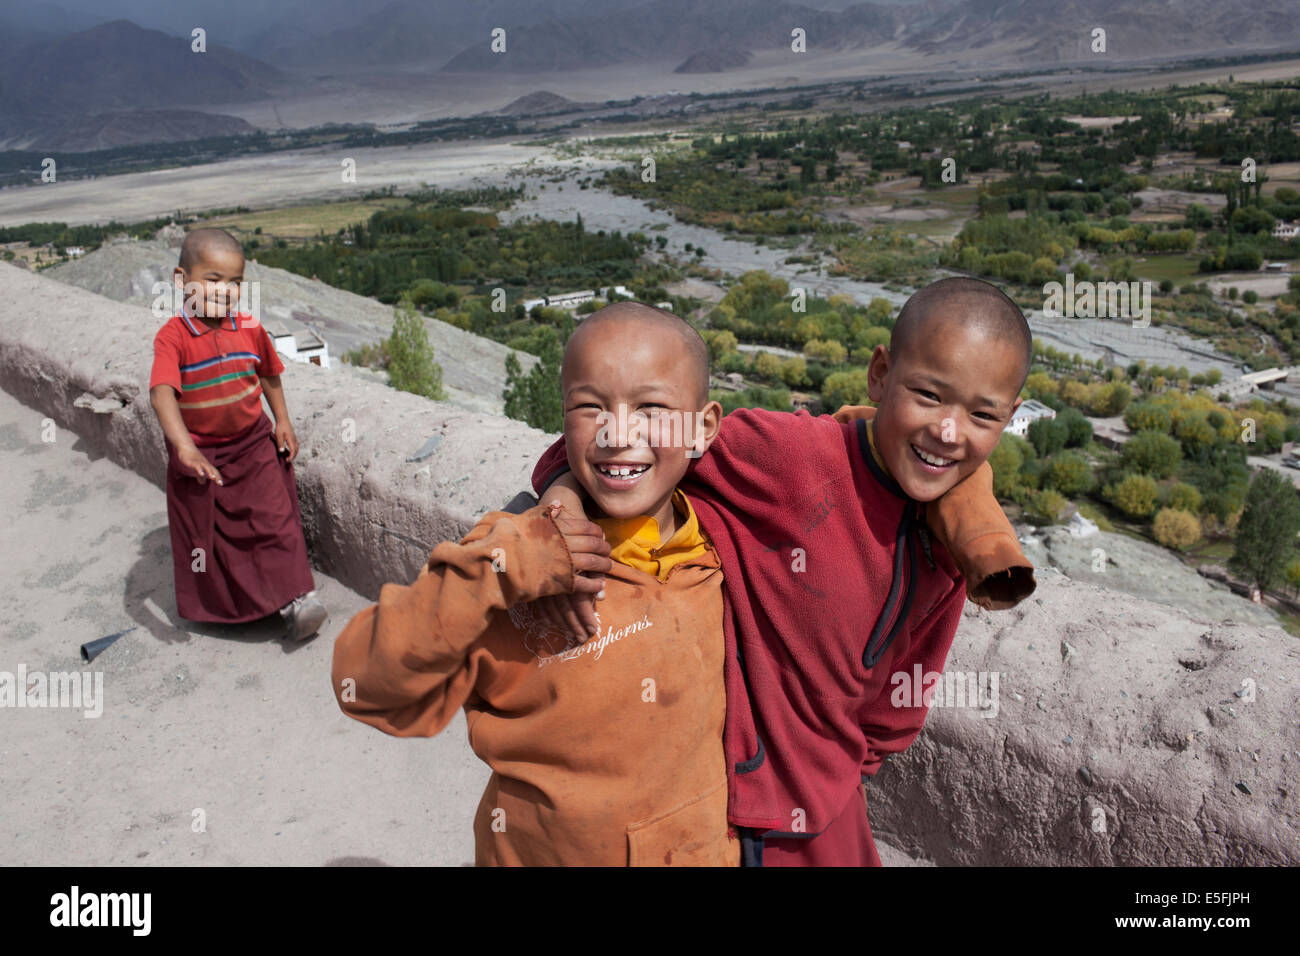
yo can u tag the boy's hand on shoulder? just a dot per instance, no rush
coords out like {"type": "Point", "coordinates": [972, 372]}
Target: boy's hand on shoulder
{"type": "Point", "coordinates": [192, 460]}
{"type": "Point", "coordinates": [286, 442]}
{"type": "Point", "coordinates": [576, 613]}
{"type": "Point", "coordinates": [587, 548]}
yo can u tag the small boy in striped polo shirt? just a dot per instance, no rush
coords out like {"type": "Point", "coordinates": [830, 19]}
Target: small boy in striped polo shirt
{"type": "Point", "coordinates": [232, 503]}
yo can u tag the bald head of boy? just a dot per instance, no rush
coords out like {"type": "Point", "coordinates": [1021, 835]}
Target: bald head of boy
{"type": "Point", "coordinates": [693, 353]}
{"type": "Point", "coordinates": [635, 388]}
{"type": "Point", "coordinates": [210, 272]}
{"type": "Point", "coordinates": [948, 383]}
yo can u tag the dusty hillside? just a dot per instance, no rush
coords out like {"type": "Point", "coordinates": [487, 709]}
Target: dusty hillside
{"type": "Point", "coordinates": [1141, 569]}
{"type": "Point", "coordinates": [473, 368]}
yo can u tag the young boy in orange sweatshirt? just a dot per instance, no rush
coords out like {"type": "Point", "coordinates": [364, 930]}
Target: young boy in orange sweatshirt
{"type": "Point", "coordinates": [607, 752]}
{"type": "Point", "coordinates": [833, 583]}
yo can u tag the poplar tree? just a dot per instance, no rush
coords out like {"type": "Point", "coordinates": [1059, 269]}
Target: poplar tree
{"type": "Point", "coordinates": [1266, 535]}
{"type": "Point", "coordinates": [411, 367]}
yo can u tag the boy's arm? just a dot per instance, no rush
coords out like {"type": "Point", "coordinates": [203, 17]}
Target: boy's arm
{"type": "Point", "coordinates": [163, 400]}
{"type": "Point", "coordinates": [401, 665]}
{"type": "Point", "coordinates": [574, 614]}
{"type": "Point", "coordinates": [971, 525]}
{"type": "Point", "coordinates": [968, 521]}
{"type": "Point", "coordinates": [895, 718]}
{"type": "Point", "coordinates": [285, 438]}
{"type": "Point", "coordinates": [553, 463]}
{"type": "Point", "coordinates": [164, 385]}
{"type": "Point", "coordinates": [269, 369]}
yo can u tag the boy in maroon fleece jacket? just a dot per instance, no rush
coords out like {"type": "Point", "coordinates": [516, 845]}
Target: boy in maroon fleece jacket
{"type": "Point", "coordinates": [834, 584]}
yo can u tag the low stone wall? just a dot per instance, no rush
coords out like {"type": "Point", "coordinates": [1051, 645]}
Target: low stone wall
{"type": "Point", "coordinates": [1124, 733]}
{"type": "Point", "coordinates": [369, 514]}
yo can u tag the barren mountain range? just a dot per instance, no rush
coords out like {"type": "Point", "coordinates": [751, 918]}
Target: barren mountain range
{"type": "Point", "coordinates": [61, 71]}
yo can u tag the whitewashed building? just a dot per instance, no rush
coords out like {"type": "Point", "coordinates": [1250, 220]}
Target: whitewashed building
{"type": "Point", "coordinates": [1028, 412]}
{"type": "Point", "coordinates": [304, 346]}
{"type": "Point", "coordinates": [571, 300]}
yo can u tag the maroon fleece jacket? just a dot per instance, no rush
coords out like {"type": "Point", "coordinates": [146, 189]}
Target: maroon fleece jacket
{"type": "Point", "coordinates": [839, 588]}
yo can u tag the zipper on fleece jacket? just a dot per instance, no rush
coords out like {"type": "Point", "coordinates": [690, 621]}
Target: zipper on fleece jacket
{"type": "Point", "coordinates": [912, 518]}
{"type": "Point", "coordinates": [923, 533]}
{"type": "Point", "coordinates": [880, 639]}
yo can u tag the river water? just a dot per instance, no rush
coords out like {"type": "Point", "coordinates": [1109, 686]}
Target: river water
{"type": "Point", "coordinates": [601, 209]}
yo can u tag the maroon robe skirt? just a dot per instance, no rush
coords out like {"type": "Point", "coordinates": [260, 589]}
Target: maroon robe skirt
{"type": "Point", "coordinates": [846, 842]}
{"type": "Point", "coordinates": [253, 558]}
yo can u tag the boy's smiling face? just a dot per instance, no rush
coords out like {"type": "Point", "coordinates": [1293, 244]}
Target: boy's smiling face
{"type": "Point", "coordinates": [220, 273]}
{"type": "Point", "coordinates": [646, 368]}
{"type": "Point", "coordinates": [948, 398]}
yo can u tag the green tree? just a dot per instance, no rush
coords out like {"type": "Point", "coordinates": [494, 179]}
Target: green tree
{"type": "Point", "coordinates": [1292, 576]}
{"type": "Point", "coordinates": [1111, 399]}
{"type": "Point", "coordinates": [721, 342]}
{"type": "Point", "coordinates": [794, 372]}
{"type": "Point", "coordinates": [1048, 435]}
{"type": "Point", "coordinates": [1146, 416]}
{"type": "Point", "coordinates": [879, 310]}
{"type": "Point", "coordinates": [428, 292]}
{"type": "Point", "coordinates": [869, 338]}
{"type": "Point", "coordinates": [1267, 532]}
{"type": "Point", "coordinates": [845, 388]}
{"type": "Point", "coordinates": [776, 399]}
{"type": "Point", "coordinates": [535, 398]}
{"type": "Point", "coordinates": [1135, 495]}
{"type": "Point", "coordinates": [1196, 433]}
{"type": "Point", "coordinates": [1069, 473]}
{"type": "Point", "coordinates": [755, 295]}
{"type": "Point", "coordinates": [1152, 453]}
{"type": "Point", "coordinates": [1006, 460]}
{"type": "Point", "coordinates": [1176, 529]}
{"type": "Point", "coordinates": [1047, 505]}
{"type": "Point", "coordinates": [411, 367]}
{"type": "Point", "coordinates": [767, 365]}
{"type": "Point", "coordinates": [827, 352]}
{"type": "Point", "coordinates": [1078, 428]}
{"type": "Point", "coordinates": [1184, 497]}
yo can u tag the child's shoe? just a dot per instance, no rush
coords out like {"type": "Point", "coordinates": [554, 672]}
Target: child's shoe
{"type": "Point", "coordinates": [303, 616]}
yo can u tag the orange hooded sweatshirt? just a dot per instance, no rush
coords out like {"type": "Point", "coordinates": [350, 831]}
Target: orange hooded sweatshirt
{"type": "Point", "coordinates": [607, 753]}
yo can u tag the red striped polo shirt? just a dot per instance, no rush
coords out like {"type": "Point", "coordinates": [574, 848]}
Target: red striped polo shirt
{"type": "Point", "coordinates": [215, 372]}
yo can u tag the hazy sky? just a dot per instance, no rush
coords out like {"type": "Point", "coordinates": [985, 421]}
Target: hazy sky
{"type": "Point", "coordinates": [177, 16]}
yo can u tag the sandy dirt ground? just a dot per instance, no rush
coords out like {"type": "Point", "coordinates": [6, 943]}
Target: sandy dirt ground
{"type": "Point", "coordinates": [261, 181]}
{"type": "Point", "coordinates": [233, 726]}
{"type": "Point", "coordinates": [234, 722]}
{"type": "Point", "coordinates": [1267, 285]}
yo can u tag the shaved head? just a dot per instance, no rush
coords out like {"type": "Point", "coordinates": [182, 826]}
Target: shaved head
{"type": "Point", "coordinates": [202, 245]}
{"type": "Point", "coordinates": [973, 305]}
{"type": "Point", "coordinates": [694, 352]}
